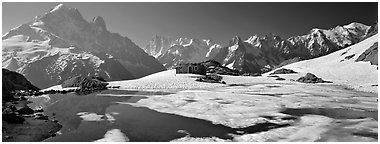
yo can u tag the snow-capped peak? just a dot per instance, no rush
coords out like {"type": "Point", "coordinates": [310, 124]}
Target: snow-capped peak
{"type": "Point", "coordinates": [99, 21]}
{"type": "Point", "coordinates": [252, 39]}
{"type": "Point", "coordinates": [354, 25]}
{"type": "Point", "coordinates": [49, 39]}
{"type": "Point", "coordinates": [61, 7]}
{"type": "Point", "coordinates": [235, 40]}
{"type": "Point", "coordinates": [188, 44]}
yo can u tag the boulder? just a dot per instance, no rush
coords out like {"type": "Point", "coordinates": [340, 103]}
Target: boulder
{"type": "Point", "coordinates": [212, 78]}
{"type": "Point", "coordinates": [25, 111]}
{"type": "Point", "coordinates": [283, 71]}
{"type": "Point", "coordinates": [311, 78]}
{"type": "Point", "coordinates": [280, 78]}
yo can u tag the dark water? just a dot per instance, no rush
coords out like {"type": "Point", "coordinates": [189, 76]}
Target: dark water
{"type": "Point", "coordinates": [137, 123]}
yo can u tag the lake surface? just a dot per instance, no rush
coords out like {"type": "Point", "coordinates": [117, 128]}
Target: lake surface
{"type": "Point", "coordinates": [137, 123]}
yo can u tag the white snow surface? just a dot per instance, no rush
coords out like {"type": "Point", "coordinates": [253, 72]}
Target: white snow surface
{"type": "Point", "coordinates": [165, 80]}
{"type": "Point", "coordinates": [334, 67]}
{"type": "Point", "coordinates": [114, 135]}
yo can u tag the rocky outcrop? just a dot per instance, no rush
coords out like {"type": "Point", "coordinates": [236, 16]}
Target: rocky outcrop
{"type": "Point", "coordinates": [215, 67]}
{"type": "Point", "coordinates": [280, 79]}
{"type": "Point", "coordinates": [283, 71]}
{"type": "Point", "coordinates": [311, 78]}
{"type": "Point", "coordinates": [17, 81]}
{"type": "Point", "coordinates": [211, 78]}
{"type": "Point", "coordinates": [19, 121]}
{"type": "Point", "coordinates": [85, 82]}
{"type": "Point", "coordinates": [371, 31]}
{"type": "Point", "coordinates": [13, 81]}
{"type": "Point", "coordinates": [371, 55]}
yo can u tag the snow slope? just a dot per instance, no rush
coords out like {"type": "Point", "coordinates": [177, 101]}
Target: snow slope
{"type": "Point", "coordinates": [164, 80]}
{"type": "Point", "coordinates": [342, 67]}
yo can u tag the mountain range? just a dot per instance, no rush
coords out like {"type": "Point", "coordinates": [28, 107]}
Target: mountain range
{"type": "Point", "coordinates": [258, 54]}
{"type": "Point", "coordinates": [171, 52]}
{"type": "Point", "coordinates": [61, 44]}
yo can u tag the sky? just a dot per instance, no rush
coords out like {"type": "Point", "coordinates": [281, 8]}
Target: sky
{"type": "Point", "coordinates": [218, 21]}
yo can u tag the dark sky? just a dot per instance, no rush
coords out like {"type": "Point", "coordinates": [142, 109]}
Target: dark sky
{"type": "Point", "coordinates": [218, 21]}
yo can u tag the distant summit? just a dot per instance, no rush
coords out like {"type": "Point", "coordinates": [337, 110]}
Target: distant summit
{"type": "Point", "coordinates": [171, 52]}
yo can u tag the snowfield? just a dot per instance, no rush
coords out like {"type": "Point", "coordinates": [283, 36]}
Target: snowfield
{"type": "Point", "coordinates": [341, 69]}
{"type": "Point", "coordinates": [165, 80]}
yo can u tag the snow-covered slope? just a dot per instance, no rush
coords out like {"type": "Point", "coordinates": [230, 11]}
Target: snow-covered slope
{"type": "Point", "coordinates": [165, 80]}
{"type": "Point", "coordinates": [257, 54]}
{"type": "Point", "coordinates": [355, 66]}
{"type": "Point", "coordinates": [61, 43]}
{"type": "Point", "coordinates": [171, 51]}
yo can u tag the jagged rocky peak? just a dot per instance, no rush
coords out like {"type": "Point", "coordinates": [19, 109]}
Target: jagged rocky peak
{"type": "Point", "coordinates": [272, 36]}
{"type": "Point", "coordinates": [59, 7]}
{"type": "Point", "coordinates": [355, 25]}
{"type": "Point", "coordinates": [63, 10]}
{"type": "Point", "coordinates": [99, 21]}
{"type": "Point", "coordinates": [235, 40]}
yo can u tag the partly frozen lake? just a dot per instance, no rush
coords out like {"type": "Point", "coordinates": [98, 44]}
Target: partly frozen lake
{"type": "Point", "coordinates": [261, 112]}
{"type": "Point", "coordinates": [89, 117]}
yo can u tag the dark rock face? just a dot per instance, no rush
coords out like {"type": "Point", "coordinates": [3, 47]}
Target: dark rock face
{"type": "Point", "coordinates": [370, 55]}
{"type": "Point", "coordinates": [25, 110]}
{"type": "Point", "coordinates": [18, 81]}
{"type": "Point", "coordinates": [311, 78]}
{"type": "Point", "coordinates": [213, 66]}
{"type": "Point", "coordinates": [84, 82]}
{"type": "Point", "coordinates": [280, 79]}
{"type": "Point", "coordinates": [283, 71]}
{"type": "Point", "coordinates": [371, 31]}
{"type": "Point", "coordinates": [13, 118]}
{"type": "Point", "coordinates": [14, 81]}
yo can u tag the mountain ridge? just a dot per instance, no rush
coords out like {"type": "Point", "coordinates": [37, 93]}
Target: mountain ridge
{"type": "Point", "coordinates": [61, 37]}
{"type": "Point", "coordinates": [260, 54]}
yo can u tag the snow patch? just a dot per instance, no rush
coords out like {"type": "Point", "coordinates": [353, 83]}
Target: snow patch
{"type": "Point", "coordinates": [114, 135]}
{"type": "Point", "coordinates": [231, 65]}
{"type": "Point", "coordinates": [210, 50]}
{"type": "Point", "coordinates": [188, 44]}
{"type": "Point", "coordinates": [57, 7]}
{"type": "Point", "coordinates": [233, 48]}
{"type": "Point", "coordinates": [86, 116]}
